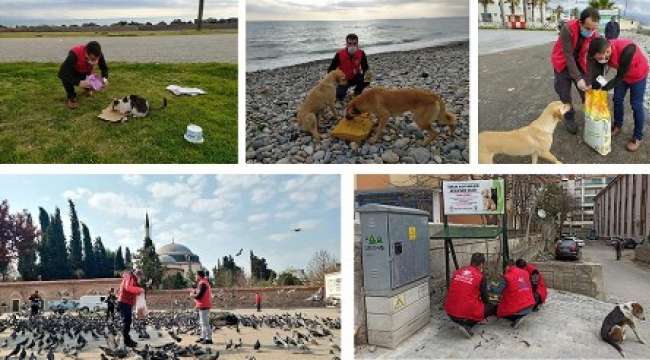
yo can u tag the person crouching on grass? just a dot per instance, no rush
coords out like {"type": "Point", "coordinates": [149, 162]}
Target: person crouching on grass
{"type": "Point", "coordinates": [78, 66]}
{"type": "Point", "coordinates": [631, 64]}
{"type": "Point", "coordinates": [202, 296]}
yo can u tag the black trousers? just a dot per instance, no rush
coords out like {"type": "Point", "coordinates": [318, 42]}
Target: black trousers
{"type": "Point", "coordinates": [126, 311]}
{"type": "Point", "coordinates": [71, 82]}
{"type": "Point", "coordinates": [110, 312]}
{"type": "Point", "coordinates": [259, 306]}
{"type": "Point", "coordinates": [34, 309]}
{"type": "Point", "coordinates": [357, 82]}
{"type": "Point", "coordinates": [490, 310]}
{"type": "Point", "coordinates": [563, 83]}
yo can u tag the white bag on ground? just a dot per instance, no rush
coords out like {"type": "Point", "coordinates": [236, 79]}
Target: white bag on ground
{"type": "Point", "coordinates": [598, 131]}
{"type": "Point", "coordinates": [140, 306]}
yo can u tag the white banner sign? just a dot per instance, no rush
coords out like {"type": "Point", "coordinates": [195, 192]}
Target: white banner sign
{"type": "Point", "coordinates": [473, 197]}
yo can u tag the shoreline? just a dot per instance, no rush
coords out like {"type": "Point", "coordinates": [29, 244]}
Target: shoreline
{"type": "Point", "coordinates": [449, 44]}
{"type": "Point", "coordinates": [272, 135]}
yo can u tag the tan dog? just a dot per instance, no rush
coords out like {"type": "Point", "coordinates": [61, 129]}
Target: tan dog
{"type": "Point", "coordinates": [322, 96]}
{"type": "Point", "coordinates": [535, 139]}
{"type": "Point", "coordinates": [384, 103]}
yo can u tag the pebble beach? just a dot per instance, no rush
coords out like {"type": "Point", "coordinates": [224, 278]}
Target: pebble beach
{"type": "Point", "coordinates": [273, 96]}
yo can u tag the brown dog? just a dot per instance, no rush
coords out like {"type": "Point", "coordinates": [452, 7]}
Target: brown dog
{"type": "Point", "coordinates": [322, 96]}
{"type": "Point", "coordinates": [535, 139]}
{"type": "Point", "coordinates": [384, 103]}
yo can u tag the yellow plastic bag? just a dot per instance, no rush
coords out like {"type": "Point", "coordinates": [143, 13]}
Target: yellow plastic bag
{"type": "Point", "coordinates": [598, 131]}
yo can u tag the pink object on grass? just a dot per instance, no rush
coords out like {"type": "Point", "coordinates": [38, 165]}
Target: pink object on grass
{"type": "Point", "coordinates": [96, 82]}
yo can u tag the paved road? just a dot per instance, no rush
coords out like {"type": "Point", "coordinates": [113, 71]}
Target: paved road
{"type": "Point", "coordinates": [494, 41]}
{"type": "Point", "coordinates": [514, 88]}
{"type": "Point", "coordinates": [140, 49]}
{"type": "Point", "coordinates": [625, 280]}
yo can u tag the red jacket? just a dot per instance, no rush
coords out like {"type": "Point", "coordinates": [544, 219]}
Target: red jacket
{"type": "Point", "coordinates": [350, 65]}
{"type": "Point", "coordinates": [205, 301]}
{"type": "Point", "coordinates": [129, 289]}
{"type": "Point", "coordinates": [557, 56]}
{"type": "Point", "coordinates": [81, 66]}
{"type": "Point", "coordinates": [464, 295]}
{"type": "Point", "coordinates": [518, 293]}
{"type": "Point", "coordinates": [541, 287]}
{"type": "Point", "coordinates": [258, 299]}
{"type": "Point", "coordinates": [638, 69]}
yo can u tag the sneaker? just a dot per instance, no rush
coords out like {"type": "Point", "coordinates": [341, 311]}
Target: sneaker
{"type": "Point", "coordinates": [616, 130]}
{"type": "Point", "coordinates": [517, 323]}
{"type": "Point", "coordinates": [199, 341]}
{"type": "Point", "coordinates": [207, 342]}
{"type": "Point", "coordinates": [571, 126]}
{"type": "Point", "coordinates": [465, 330]}
{"type": "Point", "coordinates": [72, 104]}
{"type": "Point", "coordinates": [633, 145]}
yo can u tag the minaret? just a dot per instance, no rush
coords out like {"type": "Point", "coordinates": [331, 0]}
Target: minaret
{"type": "Point", "coordinates": [146, 226]}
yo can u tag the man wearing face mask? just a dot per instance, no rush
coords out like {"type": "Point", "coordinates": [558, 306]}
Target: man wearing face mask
{"type": "Point", "coordinates": [353, 62]}
{"type": "Point", "coordinates": [631, 64]}
{"type": "Point", "coordinates": [77, 66]}
{"type": "Point", "coordinates": [569, 59]}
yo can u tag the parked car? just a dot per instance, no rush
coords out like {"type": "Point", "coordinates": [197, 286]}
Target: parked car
{"type": "Point", "coordinates": [63, 305]}
{"type": "Point", "coordinates": [630, 243]}
{"type": "Point", "coordinates": [92, 303]}
{"type": "Point", "coordinates": [579, 241]}
{"type": "Point", "coordinates": [567, 248]}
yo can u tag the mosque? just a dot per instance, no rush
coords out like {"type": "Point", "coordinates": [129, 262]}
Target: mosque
{"type": "Point", "coordinates": [174, 257]}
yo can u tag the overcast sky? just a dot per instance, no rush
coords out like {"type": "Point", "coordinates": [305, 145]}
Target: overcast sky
{"type": "Point", "coordinates": [637, 9]}
{"type": "Point", "coordinates": [212, 215]}
{"type": "Point", "coordinates": [111, 9]}
{"type": "Point", "coordinates": [259, 10]}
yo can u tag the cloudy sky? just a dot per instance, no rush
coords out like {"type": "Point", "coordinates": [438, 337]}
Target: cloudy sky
{"type": "Point", "coordinates": [213, 215]}
{"type": "Point", "coordinates": [259, 10]}
{"type": "Point", "coordinates": [12, 11]}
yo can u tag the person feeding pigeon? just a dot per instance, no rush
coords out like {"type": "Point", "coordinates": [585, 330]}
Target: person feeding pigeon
{"type": "Point", "coordinates": [202, 296]}
{"type": "Point", "coordinates": [35, 300]}
{"type": "Point", "coordinates": [129, 290]}
{"type": "Point", "coordinates": [110, 304]}
{"type": "Point", "coordinates": [258, 301]}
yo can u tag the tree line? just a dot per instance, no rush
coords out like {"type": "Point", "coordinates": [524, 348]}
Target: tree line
{"type": "Point", "coordinates": [44, 252]}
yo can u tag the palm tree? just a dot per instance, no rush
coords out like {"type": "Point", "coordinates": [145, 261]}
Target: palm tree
{"type": "Point", "coordinates": [533, 3]}
{"type": "Point", "coordinates": [503, 13]}
{"type": "Point", "coordinates": [513, 5]}
{"type": "Point", "coordinates": [542, 5]}
{"type": "Point", "coordinates": [602, 4]}
{"type": "Point", "coordinates": [558, 12]}
{"type": "Point", "coordinates": [485, 4]}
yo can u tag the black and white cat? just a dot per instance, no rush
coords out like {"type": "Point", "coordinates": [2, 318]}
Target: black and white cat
{"type": "Point", "coordinates": [134, 105]}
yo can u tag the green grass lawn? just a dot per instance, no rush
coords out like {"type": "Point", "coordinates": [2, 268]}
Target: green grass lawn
{"type": "Point", "coordinates": [129, 33]}
{"type": "Point", "coordinates": [36, 127]}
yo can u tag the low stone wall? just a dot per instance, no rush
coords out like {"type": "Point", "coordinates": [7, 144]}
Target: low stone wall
{"type": "Point", "coordinates": [578, 277]}
{"type": "Point", "coordinates": [275, 297]}
{"type": "Point", "coordinates": [238, 298]}
{"type": "Point", "coordinates": [464, 248]}
{"type": "Point", "coordinates": [119, 28]}
{"type": "Point", "coordinates": [642, 254]}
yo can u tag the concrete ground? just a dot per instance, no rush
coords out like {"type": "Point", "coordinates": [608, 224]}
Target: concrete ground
{"type": "Point", "coordinates": [220, 337]}
{"type": "Point", "coordinates": [566, 327]}
{"type": "Point", "coordinates": [625, 280]}
{"type": "Point", "coordinates": [140, 49]}
{"type": "Point", "coordinates": [516, 85]}
{"type": "Point", "coordinates": [494, 41]}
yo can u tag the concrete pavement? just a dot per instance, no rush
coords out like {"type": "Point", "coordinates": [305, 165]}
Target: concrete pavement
{"type": "Point", "coordinates": [494, 41]}
{"type": "Point", "coordinates": [139, 49]}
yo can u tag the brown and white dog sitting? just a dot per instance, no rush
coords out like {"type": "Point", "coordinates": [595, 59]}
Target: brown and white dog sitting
{"type": "Point", "coordinates": [613, 329]}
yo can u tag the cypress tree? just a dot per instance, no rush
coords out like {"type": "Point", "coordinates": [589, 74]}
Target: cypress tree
{"type": "Point", "coordinates": [128, 261]}
{"type": "Point", "coordinates": [57, 250]}
{"type": "Point", "coordinates": [75, 242]}
{"type": "Point", "coordinates": [89, 264]}
{"type": "Point", "coordinates": [100, 258]}
{"type": "Point", "coordinates": [119, 260]}
{"type": "Point", "coordinates": [150, 263]}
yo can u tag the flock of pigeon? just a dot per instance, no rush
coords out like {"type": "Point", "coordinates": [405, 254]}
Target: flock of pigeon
{"type": "Point", "coordinates": [70, 335]}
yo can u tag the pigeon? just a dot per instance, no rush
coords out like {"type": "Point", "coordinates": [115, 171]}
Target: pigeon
{"type": "Point", "coordinates": [257, 345]}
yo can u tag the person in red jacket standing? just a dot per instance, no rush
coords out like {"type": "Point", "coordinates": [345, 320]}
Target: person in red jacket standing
{"type": "Point", "coordinates": [202, 296]}
{"type": "Point", "coordinates": [77, 66]}
{"type": "Point", "coordinates": [353, 62]}
{"type": "Point", "coordinates": [517, 299]}
{"type": "Point", "coordinates": [631, 64]}
{"type": "Point", "coordinates": [129, 290]}
{"type": "Point", "coordinates": [467, 303]}
{"type": "Point", "coordinates": [536, 280]}
{"type": "Point", "coordinates": [569, 60]}
{"type": "Point", "coordinates": [258, 301]}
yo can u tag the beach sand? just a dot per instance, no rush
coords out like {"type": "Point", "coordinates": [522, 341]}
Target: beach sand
{"type": "Point", "coordinates": [273, 97]}
{"type": "Point", "coordinates": [220, 337]}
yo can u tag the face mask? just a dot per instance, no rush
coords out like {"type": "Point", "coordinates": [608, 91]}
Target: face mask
{"type": "Point", "coordinates": [603, 61]}
{"type": "Point", "coordinates": [586, 33]}
{"type": "Point", "coordinates": [352, 49]}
